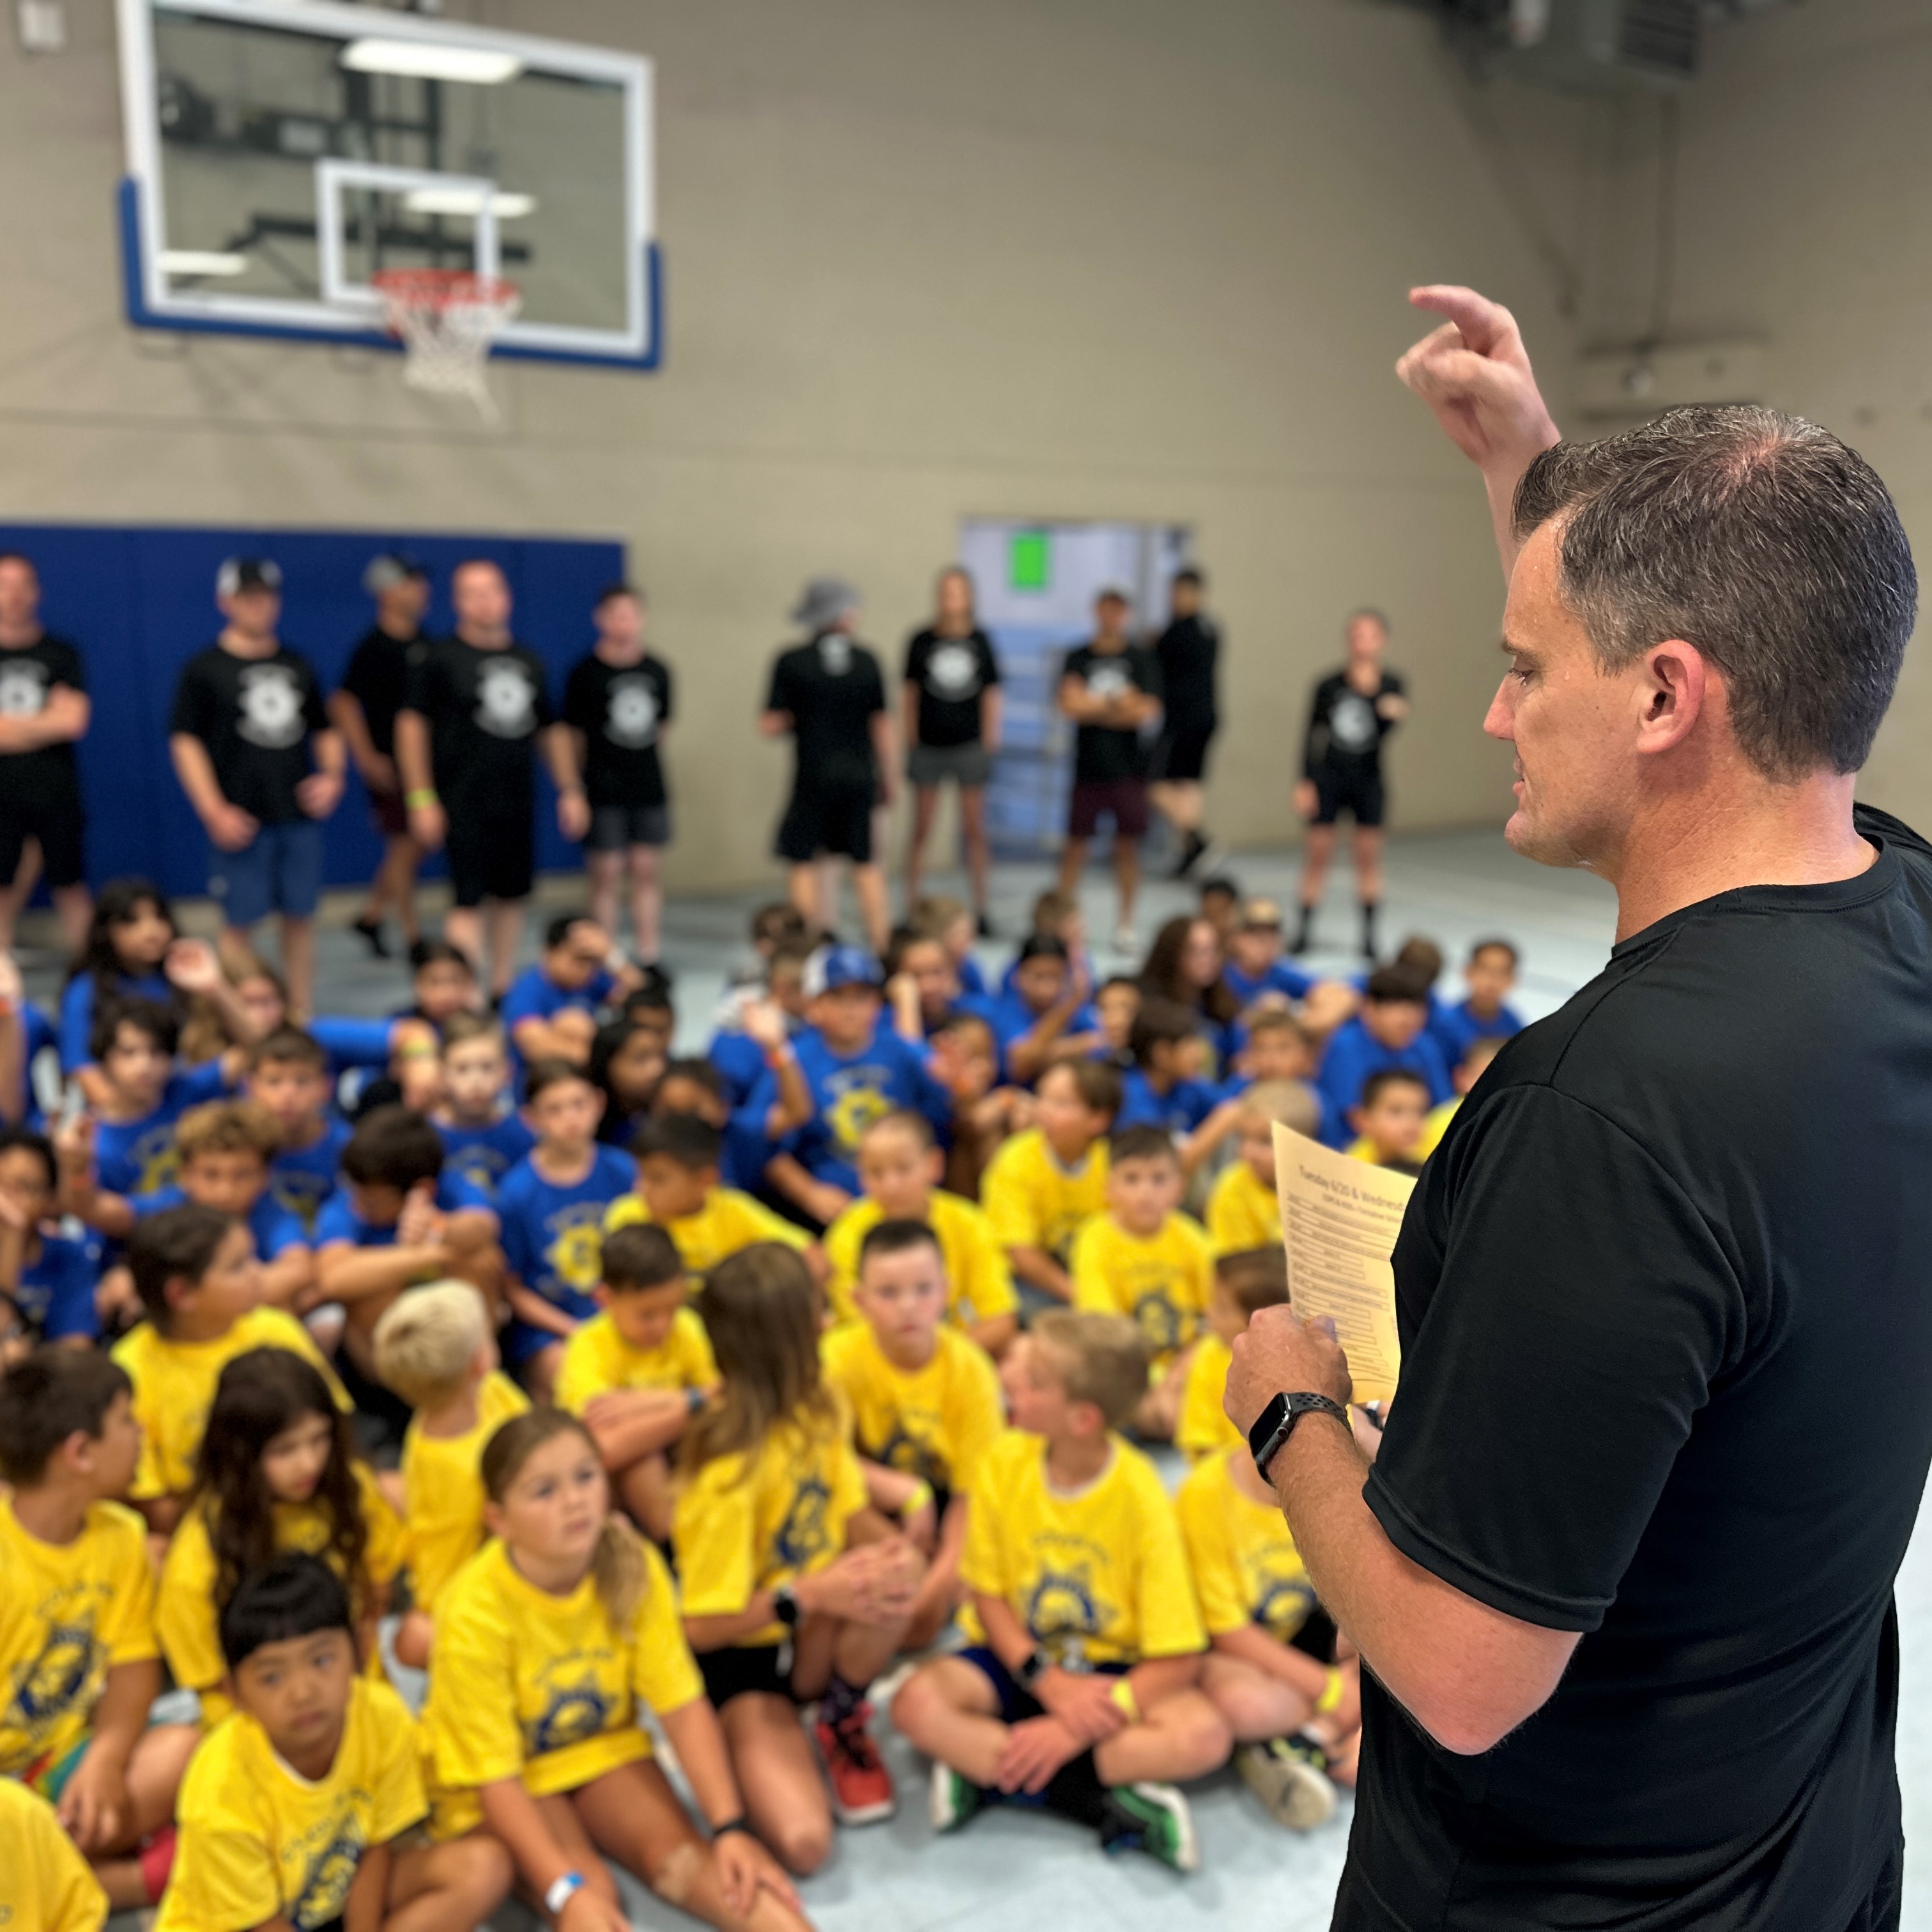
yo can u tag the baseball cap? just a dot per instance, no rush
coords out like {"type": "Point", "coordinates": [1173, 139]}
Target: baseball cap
{"type": "Point", "coordinates": [386, 571]}
{"type": "Point", "coordinates": [839, 966]}
{"type": "Point", "coordinates": [1261, 916]}
{"type": "Point", "coordinates": [247, 573]}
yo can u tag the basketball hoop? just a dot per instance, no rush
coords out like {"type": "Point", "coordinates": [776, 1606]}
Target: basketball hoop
{"type": "Point", "coordinates": [447, 318]}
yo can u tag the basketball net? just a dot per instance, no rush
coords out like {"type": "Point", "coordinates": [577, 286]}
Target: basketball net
{"type": "Point", "coordinates": [447, 320]}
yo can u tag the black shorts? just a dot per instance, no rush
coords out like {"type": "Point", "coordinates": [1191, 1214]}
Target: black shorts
{"type": "Point", "coordinates": [492, 855]}
{"type": "Point", "coordinates": [738, 1670]}
{"type": "Point", "coordinates": [615, 827]}
{"type": "Point", "coordinates": [1181, 757]}
{"type": "Point", "coordinates": [1358, 792]}
{"type": "Point", "coordinates": [836, 819]}
{"type": "Point", "coordinates": [1123, 800]}
{"type": "Point", "coordinates": [54, 815]}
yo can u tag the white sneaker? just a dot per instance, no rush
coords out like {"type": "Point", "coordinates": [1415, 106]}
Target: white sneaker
{"type": "Point", "coordinates": [1290, 1776]}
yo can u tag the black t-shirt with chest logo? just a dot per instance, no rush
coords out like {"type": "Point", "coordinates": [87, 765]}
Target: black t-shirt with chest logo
{"type": "Point", "coordinates": [1105, 754]}
{"type": "Point", "coordinates": [832, 687]}
{"type": "Point", "coordinates": [254, 715]}
{"type": "Point", "coordinates": [619, 708]}
{"type": "Point", "coordinates": [27, 675]}
{"type": "Point", "coordinates": [484, 708]}
{"type": "Point", "coordinates": [950, 674]}
{"type": "Point", "coordinates": [1345, 729]}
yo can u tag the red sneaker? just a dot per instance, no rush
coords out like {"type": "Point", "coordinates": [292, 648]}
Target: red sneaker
{"type": "Point", "coordinates": [862, 1787]}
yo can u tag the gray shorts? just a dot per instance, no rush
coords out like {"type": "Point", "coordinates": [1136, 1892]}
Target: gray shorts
{"type": "Point", "coordinates": [965, 765]}
{"type": "Point", "coordinates": [614, 826]}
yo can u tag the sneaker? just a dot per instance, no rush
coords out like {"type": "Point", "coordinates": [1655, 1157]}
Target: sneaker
{"type": "Point", "coordinates": [1154, 1819]}
{"type": "Point", "coordinates": [952, 1799]}
{"type": "Point", "coordinates": [862, 1787]}
{"type": "Point", "coordinates": [371, 932]}
{"type": "Point", "coordinates": [1194, 849]}
{"type": "Point", "coordinates": [1290, 1776]}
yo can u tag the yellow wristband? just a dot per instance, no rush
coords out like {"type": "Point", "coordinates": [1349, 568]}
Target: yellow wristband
{"type": "Point", "coordinates": [922, 1495]}
{"type": "Point", "coordinates": [414, 799]}
{"type": "Point", "coordinates": [1332, 1693]}
{"type": "Point", "coordinates": [1122, 1695]}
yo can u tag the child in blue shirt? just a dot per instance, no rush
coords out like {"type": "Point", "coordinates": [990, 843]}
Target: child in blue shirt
{"type": "Point", "coordinates": [50, 1279]}
{"type": "Point", "coordinates": [1390, 1033]}
{"type": "Point", "coordinates": [550, 1011]}
{"type": "Point", "coordinates": [1037, 1016]}
{"type": "Point", "coordinates": [1255, 966]}
{"type": "Point", "coordinates": [1486, 1013]}
{"type": "Point", "coordinates": [1163, 1087]}
{"type": "Point", "coordinates": [288, 1074]}
{"type": "Point", "coordinates": [143, 1094]}
{"type": "Point", "coordinates": [483, 1136]}
{"type": "Point", "coordinates": [553, 1203]}
{"type": "Point", "coordinates": [740, 1059]}
{"type": "Point", "coordinates": [128, 936]}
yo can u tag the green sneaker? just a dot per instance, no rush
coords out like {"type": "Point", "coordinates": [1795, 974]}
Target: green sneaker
{"type": "Point", "coordinates": [1290, 1776]}
{"type": "Point", "coordinates": [952, 1799]}
{"type": "Point", "coordinates": [1154, 1819]}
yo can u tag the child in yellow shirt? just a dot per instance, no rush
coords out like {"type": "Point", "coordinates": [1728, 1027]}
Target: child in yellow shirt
{"type": "Point", "coordinates": [924, 1404]}
{"type": "Point", "coordinates": [277, 1471]}
{"type": "Point", "coordinates": [195, 1272]}
{"type": "Point", "coordinates": [1390, 1119]}
{"type": "Point", "coordinates": [639, 1371]}
{"type": "Point", "coordinates": [435, 1347]}
{"type": "Point", "coordinates": [298, 1810]}
{"type": "Point", "coordinates": [899, 1167]}
{"type": "Point", "coordinates": [77, 1649]}
{"type": "Point", "coordinates": [1243, 1209]}
{"type": "Point", "coordinates": [1045, 1183]}
{"type": "Point", "coordinates": [1294, 1711]}
{"type": "Point", "coordinates": [1244, 1284]}
{"type": "Point", "coordinates": [1144, 1259]}
{"type": "Point", "coordinates": [44, 1882]}
{"type": "Point", "coordinates": [793, 1588]}
{"type": "Point", "coordinates": [1080, 1692]}
{"type": "Point", "coordinates": [550, 1644]}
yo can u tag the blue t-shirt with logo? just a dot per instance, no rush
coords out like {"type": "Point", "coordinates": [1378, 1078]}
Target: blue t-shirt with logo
{"type": "Point", "coordinates": [484, 1155]}
{"type": "Point", "coordinates": [1353, 1054]}
{"type": "Point", "coordinates": [56, 1296]}
{"type": "Point", "coordinates": [849, 1092]}
{"type": "Point", "coordinates": [138, 1156]}
{"type": "Point", "coordinates": [302, 1179]}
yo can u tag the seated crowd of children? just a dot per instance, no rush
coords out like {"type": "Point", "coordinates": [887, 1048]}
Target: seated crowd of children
{"type": "Point", "coordinates": [602, 1386]}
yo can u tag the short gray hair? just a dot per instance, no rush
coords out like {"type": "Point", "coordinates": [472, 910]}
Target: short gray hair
{"type": "Point", "coordinates": [1761, 539]}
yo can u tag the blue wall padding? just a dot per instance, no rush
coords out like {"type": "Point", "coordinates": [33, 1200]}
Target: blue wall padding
{"type": "Point", "coordinates": [140, 601]}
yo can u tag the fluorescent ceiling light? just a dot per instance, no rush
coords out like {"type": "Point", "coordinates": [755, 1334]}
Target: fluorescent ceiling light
{"type": "Point", "coordinates": [431, 60]}
{"type": "Point", "coordinates": [202, 261]}
{"type": "Point", "coordinates": [467, 201]}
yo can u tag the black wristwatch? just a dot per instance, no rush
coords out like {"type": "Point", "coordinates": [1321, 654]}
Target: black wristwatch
{"type": "Point", "coordinates": [784, 1605]}
{"type": "Point", "coordinates": [1276, 1424]}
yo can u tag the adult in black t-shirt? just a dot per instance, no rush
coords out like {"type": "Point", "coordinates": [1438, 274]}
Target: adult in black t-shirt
{"type": "Point", "coordinates": [1190, 651]}
{"type": "Point", "coordinates": [1110, 686]}
{"type": "Point", "coordinates": [952, 698]}
{"type": "Point", "coordinates": [1621, 1576]}
{"type": "Point", "coordinates": [364, 710]}
{"type": "Point", "coordinates": [828, 695]}
{"type": "Point", "coordinates": [1353, 709]}
{"type": "Point", "coordinates": [263, 767]}
{"type": "Point", "coordinates": [476, 706]}
{"type": "Point", "coordinates": [617, 703]}
{"type": "Point", "coordinates": [44, 711]}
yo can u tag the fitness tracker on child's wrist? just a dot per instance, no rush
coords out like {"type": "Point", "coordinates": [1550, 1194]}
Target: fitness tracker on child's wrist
{"type": "Point", "coordinates": [416, 800]}
{"type": "Point", "coordinates": [562, 1891]}
{"type": "Point", "coordinates": [1333, 1690]}
{"type": "Point", "coordinates": [1034, 1666]}
{"type": "Point", "coordinates": [740, 1823]}
{"type": "Point", "coordinates": [1275, 1424]}
{"type": "Point", "coordinates": [784, 1605]}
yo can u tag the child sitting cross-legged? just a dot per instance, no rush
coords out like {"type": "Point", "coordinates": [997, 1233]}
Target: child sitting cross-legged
{"type": "Point", "coordinates": [550, 1645]}
{"type": "Point", "coordinates": [637, 1372]}
{"type": "Point", "coordinates": [435, 1347]}
{"type": "Point", "coordinates": [794, 1588]}
{"type": "Point", "coordinates": [1243, 1209]}
{"type": "Point", "coordinates": [1144, 1259]}
{"type": "Point", "coordinates": [899, 1167]}
{"type": "Point", "coordinates": [1080, 1692]}
{"type": "Point", "coordinates": [1245, 1281]}
{"type": "Point", "coordinates": [484, 1136]}
{"type": "Point", "coordinates": [1390, 1121]}
{"type": "Point", "coordinates": [301, 1808]}
{"type": "Point", "coordinates": [77, 1645]}
{"type": "Point", "coordinates": [277, 1471]}
{"type": "Point", "coordinates": [925, 1404]}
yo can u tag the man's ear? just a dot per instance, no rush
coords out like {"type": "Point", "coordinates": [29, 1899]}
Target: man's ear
{"type": "Point", "coordinates": [1676, 687]}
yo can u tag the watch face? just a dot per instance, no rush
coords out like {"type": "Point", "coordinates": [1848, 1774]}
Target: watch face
{"type": "Point", "coordinates": [1266, 1425]}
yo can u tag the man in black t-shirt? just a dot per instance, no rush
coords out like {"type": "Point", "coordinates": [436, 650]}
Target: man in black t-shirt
{"type": "Point", "coordinates": [829, 696]}
{"type": "Point", "coordinates": [44, 711]}
{"type": "Point", "coordinates": [617, 705]}
{"type": "Point", "coordinates": [248, 715]}
{"type": "Point", "coordinates": [364, 710]}
{"type": "Point", "coordinates": [1189, 652]}
{"type": "Point", "coordinates": [1621, 1574]}
{"type": "Point", "coordinates": [1111, 687]}
{"type": "Point", "coordinates": [473, 710]}
{"type": "Point", "coordinates": [952, 699]}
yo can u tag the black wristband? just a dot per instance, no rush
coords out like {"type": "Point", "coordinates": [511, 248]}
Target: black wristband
{"type": "Point", "coordinates": [785, 1605]}
{"type": "Point", "coordinates": [1275, 1424]}
{"type": "Point", "coordinates": [1034, 1665]}
{"type": "Point", "coordinates": [740, 1823]}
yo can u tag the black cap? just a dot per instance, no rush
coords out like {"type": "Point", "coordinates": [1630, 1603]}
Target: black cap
{"type": "Point", "coordinates": [247, 573]}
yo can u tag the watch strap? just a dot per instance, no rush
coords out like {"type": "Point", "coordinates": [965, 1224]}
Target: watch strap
{"type": "Point", "coordinates": [1275, 1424]}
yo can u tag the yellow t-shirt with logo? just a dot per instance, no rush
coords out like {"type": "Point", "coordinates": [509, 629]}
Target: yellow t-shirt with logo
{"type": "Point", "coordinates": [1033, 1201]}
{"type": "Point", "coordinates": [937, 1422]}
{"type": "Point", "coordinates": [69, 1614]}
{"type": "Point", "coordinates": [597, 1359]}
{"type": "Point", "coordinates": [1242, 1213]}
{"type": "Point", "coordinates": [1247, 1568]}
{"type": "Point", "coordinates": [979, 1282]}
{"type": "Point", "coordinates": [187, 1618]}
{"type": "Point", "coordinates": [1098, 1576]}
{"type": "Point", "coordinates": [1203, 1425]}
{"type": "Point", "coordinates": [174, 1384]}
{"type": "Point", "coordinates": [727, 1221]}
{"type": "Point", "coordinates": [749, 1522]}
{"type": "Point", "coordinates": [1162, 1284]}
{"type": "Point", "coordinates": [525, 1685]}
{"type": "Point", "coordinates": [45, 1885]}
{"type": "Point", "coordinates": [442, 1488]}
{"type": "Point", "coordinates": [257, 1842]}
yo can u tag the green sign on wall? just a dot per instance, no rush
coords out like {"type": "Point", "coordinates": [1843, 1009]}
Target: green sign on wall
{"type": "Point", "coordinates": [1030, 560]}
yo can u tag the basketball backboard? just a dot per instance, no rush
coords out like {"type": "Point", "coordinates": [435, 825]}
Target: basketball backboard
{"type": "Point", "coordinates": [280, 152]}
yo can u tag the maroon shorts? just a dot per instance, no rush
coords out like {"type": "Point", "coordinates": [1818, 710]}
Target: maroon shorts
{"type": "Point", "coordinates": [391, 815]}
{"type": "Point", "coordinates": [1123, 800]}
